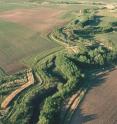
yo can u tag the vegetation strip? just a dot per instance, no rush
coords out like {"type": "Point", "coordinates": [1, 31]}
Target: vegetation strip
{"type": "Point", "coordinates": [9, 98]}
{"type": "Point", "coordinates": [80, 96]}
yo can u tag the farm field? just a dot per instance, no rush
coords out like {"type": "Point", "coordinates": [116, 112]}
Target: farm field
{"type": "Point", "coordinates": [23, 30]}
{"type": "Point", "coordinates": [18, 42]}
{"type": "Point", "coordinates": [24, 27]}
{"type": "Point", "coordinates": [25, 36]}
{"type": "Point", "coordinates": [99, 105]}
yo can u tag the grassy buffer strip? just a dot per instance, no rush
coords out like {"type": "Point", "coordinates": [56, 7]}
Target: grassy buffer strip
{"type": "Point", "coordinates": [80, 94]}
{"type": "Point", "coordinates": [74, 49]}
{"type": "Point", "coordinates": [57, 40]}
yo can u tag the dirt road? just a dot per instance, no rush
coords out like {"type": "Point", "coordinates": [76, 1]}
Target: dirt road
{"type": "Point", "coordinates": [100, 104]}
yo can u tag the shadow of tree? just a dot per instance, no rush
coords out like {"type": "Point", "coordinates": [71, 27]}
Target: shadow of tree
{"type": "Point", "coordinates": [93, 81]}
{"type": "Point", "coordinates": [89, 117]}
{"type": "Point", "coordinates": [82, 117]}
{"type": "Point", "coordinates": [96, 20]}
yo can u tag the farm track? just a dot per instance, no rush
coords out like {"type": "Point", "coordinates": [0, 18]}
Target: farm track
{"type": "Point", "coordinates": [9, 98]}
{"type": "Point", "coordinates": [71, 48]}
{"type": "Point", "coordinates": [74, 49]}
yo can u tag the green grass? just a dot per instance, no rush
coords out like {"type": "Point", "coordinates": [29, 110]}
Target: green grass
{"type": "Point", "coordinates": [31, 61]}
{"type": "Point", "coordinates": [113, 37]}
{"type": "Point", "coordinates": [106, 20]}
{"type": "Point", "coordinates": [2, 73]}
{"type": "Point", "coordinates": [8, 83]}
{"type": "Point", "coordinates": [108, 37]}
{"type": "Point", "coordinates": [105, 37]}
{"type": "Point", "coordinates": [15, 4]}
{"type": "Point", "coordinates": [72, 1]}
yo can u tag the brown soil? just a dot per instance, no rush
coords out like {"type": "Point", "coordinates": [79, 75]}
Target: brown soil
{"type": "Point", "coordinates": [14, 67]}
{"type": "Point", "coordinates": [100, 103]}
{"type": "Point", "coordinates": [41, 19]}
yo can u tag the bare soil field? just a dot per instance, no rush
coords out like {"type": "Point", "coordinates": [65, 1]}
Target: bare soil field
{"type": "Point", "coordinates": [100, 104]}
{"type": "Point", "coordinates": [41, 19]}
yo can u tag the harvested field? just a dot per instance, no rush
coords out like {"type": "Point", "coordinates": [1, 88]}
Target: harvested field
{"type": "Point", "coordinates": [100, 103]}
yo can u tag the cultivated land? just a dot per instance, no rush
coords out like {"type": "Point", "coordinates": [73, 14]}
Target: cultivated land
{"type": "Point", "coordinates": [99, 105]}
{"type": "Point", "coordinates": [51, 54]}
{"type": "Point", "coordinates": [22, 34]}
{"type": "Point", "coordinates": [23, 30]}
